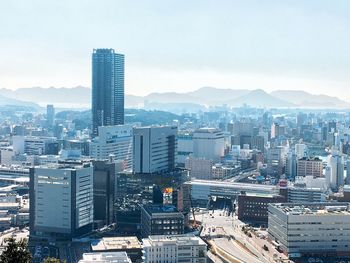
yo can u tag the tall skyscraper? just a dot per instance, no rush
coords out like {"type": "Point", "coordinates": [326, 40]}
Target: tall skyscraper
{"type": "Point", "coordinates": [50, 115]}
{"type": "Point", "coordinates": [107, 88]}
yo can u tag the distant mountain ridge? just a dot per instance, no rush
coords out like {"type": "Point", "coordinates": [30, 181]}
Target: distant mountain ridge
{"type": "Point", "coordinates": [5, 101]}
{"type": "Point", "coordinates": [205, 96]}
{"type": "Point", "coordinates": [77, 94]}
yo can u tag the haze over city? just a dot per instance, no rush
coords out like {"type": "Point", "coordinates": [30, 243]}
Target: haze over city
{"type": "Point", "coordinates": [174, 131]}
{"type": "Point", "coordinates": [179, 45]}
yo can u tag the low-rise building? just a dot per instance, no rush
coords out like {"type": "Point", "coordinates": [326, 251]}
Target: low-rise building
{"type": "Point", "coordinates": [130, 245]}
{"type": "Point", "coordinates": [220, 171]}
{"type": "Point", "coordinates": [310, 166]}
{"type": "Point", "coordinates": [180, 248]}
{"type": "Point", "coordinates": [253, 208]}
{"type": "Point", "coordinates": [161, 220]}
{"type": "Point", "coordinates": [105, 257]}
{"type": "Point", "coordinates": [300, 195]}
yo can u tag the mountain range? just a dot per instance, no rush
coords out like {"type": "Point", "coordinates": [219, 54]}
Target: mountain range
{"type": "Point", "coordinates": [201, 98]}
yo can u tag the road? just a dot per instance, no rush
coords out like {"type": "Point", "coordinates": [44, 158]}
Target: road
{"type": "Point", "coordinates": [218, 226]}
{"type": "Point", "coordinates": [233, 248]}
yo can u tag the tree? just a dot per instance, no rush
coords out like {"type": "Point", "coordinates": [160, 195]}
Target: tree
{"type": "Point", "coordinates": [16, 252]}
{"type": "Point", "coordinates": [52, 260]}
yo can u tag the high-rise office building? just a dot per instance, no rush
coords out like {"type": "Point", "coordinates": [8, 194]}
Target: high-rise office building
{"type": "Point", "coordinates": [347, 181]}
{"type": "Point", "coordinates": [155, 149]}
{"type": "Point", "coordinates": [50, 115]}
{"type": "Point", "coordinates": [104, 182]}
{"type": "Point", "coordinates": [277, 130]}
{"type": "Point", "coordinates": [301, 150]}
{"type": "Point", "coordinates": [208, 143]}
{"type": "Point", "coordinates": [107, 88]}
{"type": "Point", "coordinates": [335, 171]}
{"type": "Point", "coordinates": [291, 165]}
{"type": "Point", "coordinates": [61, 200]}
{"type": "Point", "coordinates": [113, 140]}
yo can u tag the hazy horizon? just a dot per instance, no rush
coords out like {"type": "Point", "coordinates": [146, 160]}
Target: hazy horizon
{"type": "Point", "coordinates": [180, 46]}
{"type": "Point", "coordinates": [181, 92]}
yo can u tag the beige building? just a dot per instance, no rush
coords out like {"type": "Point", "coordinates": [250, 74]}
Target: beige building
{"type": "Point", "coordinates": [310, 166]}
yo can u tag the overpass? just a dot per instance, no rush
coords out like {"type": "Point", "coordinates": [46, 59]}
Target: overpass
{"type": "Point", "coordinates": [202, 190]}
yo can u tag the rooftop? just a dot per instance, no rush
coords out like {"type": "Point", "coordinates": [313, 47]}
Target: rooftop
{"type": "Point", "coordinates": [262, 195]}
{"type": "Point", "coordinates": [105, 257]}
{"type": "Point", "coordinates": [242, 186]}
{"type": "Point", "coordinates": [115, 243]}
{"type": "Point", "coordinates": [208, 130]}
{"type": "Point", "coordinates": [317, 209]}
{"type": "Point", "coordinates": [315, 159]}
{"type": "Point", "coordinates": [154, 208]}
{"type": "Point", "coordinates": [175, 239]}
{"type": "Point", "coordinates": [65, 166]}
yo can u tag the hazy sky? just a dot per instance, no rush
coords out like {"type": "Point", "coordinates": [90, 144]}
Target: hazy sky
{"type": "Point", "coordinates": [180, 45]}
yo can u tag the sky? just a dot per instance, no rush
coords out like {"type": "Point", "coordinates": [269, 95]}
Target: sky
{"type": "Point", "coordinates": [179, 45]}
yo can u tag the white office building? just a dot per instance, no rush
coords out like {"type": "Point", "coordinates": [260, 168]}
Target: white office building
{"type": "Point", "coordinates": [113, 140]}
{"type": "Point", "coordinates": [179, 248]}
{"type": "Point", "coordinates": [154, 149]}
{"type": "Point", "coordinates": [61, 200]}
{"type": "Point", "coordinates": [310, 228]}
{"type": "Point", "coordinates": [208, 143]}
{"type": "Point", "coordinates": [184, 147]}
{"type": "Point", "coordinates": [300, 150]}
{"type": "Point", "coordinates": [6, 155]}
{"type": "Point", "coordinates": [303, 194]}
{"type": "Point", "coordinates": [335, 171]}
{"type": "Point", "coordinates": [31, 145]}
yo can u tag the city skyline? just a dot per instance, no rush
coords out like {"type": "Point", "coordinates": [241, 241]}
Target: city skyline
{"type": "Point", "coordinates": [172, 131]}
{"type": "Point", "coordinates": [173, 47]}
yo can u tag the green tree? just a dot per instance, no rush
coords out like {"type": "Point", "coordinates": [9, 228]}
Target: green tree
{"type": "Point", "coordinates": [52, 260]}
{"type": "Point", "coordinates": [16, 252]}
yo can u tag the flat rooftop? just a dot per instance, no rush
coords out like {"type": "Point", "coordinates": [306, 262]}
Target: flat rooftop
{"type": "Point", "coordinates": [207, 130]}
{"type": "Point", "coordinates": [317, 209]}
{"type": "Point", "coordinates": [175, 239]}
{"type": "Point", "coordinates": [154, 209]}
{"type": "Point", "coordinates": [120, 257]}
{"type": "Point", "coordinates": [261, 195]}
{"type": "Point", "coordinates": [232, 185]}
{"type": "Point", "coordinates": [314, 159]}
{"type": "Point", "coordinates": [65, 166]}
{"type": "Point", "coordinates": [115, 243]}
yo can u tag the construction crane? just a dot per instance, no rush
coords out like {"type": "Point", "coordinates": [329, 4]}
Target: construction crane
{"type": "Point", "coordinates": [194, 224]}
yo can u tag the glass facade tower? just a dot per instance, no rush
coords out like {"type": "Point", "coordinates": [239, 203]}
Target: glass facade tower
{"type": "Point", "coordinates": [107, 88]}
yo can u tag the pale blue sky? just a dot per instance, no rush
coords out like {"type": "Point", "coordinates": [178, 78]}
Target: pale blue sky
{"type": "Point", "coordinates": [180, 45]}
